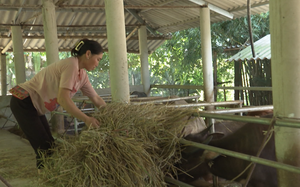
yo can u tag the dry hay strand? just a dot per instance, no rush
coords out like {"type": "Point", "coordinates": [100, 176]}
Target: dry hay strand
{"type": "Point", "coordinates": [136, 145]}
{"type": "Point", "coordinates": [10, 170]}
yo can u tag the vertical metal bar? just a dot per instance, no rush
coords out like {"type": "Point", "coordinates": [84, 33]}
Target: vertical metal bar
{"type": "Point", "coordinates": [224, 90]}
{"type": "Point", "coordinates": [241, 106]}
{"type": "Point", "coordinates": [76, 126]}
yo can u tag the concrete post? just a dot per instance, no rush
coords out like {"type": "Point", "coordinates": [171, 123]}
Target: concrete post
{"type": "Point", "coordinates": [18, 54]}
{"type": "Point", "coordinates": [3, 75]}
{"type": "Point", "coordinates": [206, 50]}
{"type": "Point", "coordinates": [206, 55]}
{"type": "Point", "coordinates": [285, 45]}
{"type": "Point", "coordinates": [144, 59]}
{"type": "Point", "coordinates": [117, 51]}
{"type": "Point", "coordinates": [51, 42]}
{"type": "Point", "coordinates": [50, 31]}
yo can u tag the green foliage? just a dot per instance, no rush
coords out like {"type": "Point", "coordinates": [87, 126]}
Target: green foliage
{"type": "Point", "coordinates": [99, 77]}
{"type": "Point", "coordinates": [63, 55]}
{"type": "Point", "coordinates": [34, 61]}
{"type": "Point", "coordinates": [236, 32]}
{"type": "Point", "coordinates": [134, 69]}
{"type": "Point", "coordinates": [178, 61]}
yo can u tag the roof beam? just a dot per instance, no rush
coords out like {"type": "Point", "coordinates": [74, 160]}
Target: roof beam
{"type": "Point", "coordinates": [158, 4]}
{"type": "Point", "coordinates": [194, 19]}
{"type": "Point", "coordinates": [60, 2]}
{"type": "Point", "coordinates": [91, 8]}
{"type": "Point", "coordinates": [134, 14]}
{"type": "Point", "coordinates": [38, 8]}
{"type": "Point", "coordinates": [6, 48]}
{"type": "Point", "coordinates": [40, 25]}
{"type": "Point", "coordinates": [197, 18]}
{"type": "Point", "coordinates": [57, 9]}
{"type": "Point", "coordinates": [29, 32]}
{"type": "Point", "coordinates": [18, 13]}
{"type": "Point", "coordinates": [132, 32]}
{"type": "Point", "coordinates": [94, 37]}
{"type": "Point", "coordinates": [66, 28]}
{"type": "Point", "coordinates": [252, 6]}
{"type": "Point", "coordinates": [15, 21]}
{"type": "Point", "coordinates": [213, 8]}
{"type": "Point", "coordinates": [69, 49]}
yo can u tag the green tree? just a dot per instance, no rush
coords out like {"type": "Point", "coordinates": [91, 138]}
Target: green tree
{"type": "Point", "coordinates": [99, 77]}
{"type": "Point", "coordinates": [178, 61]}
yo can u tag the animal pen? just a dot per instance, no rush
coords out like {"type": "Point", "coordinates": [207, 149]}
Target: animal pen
{"type": "Point", "coordinates": [162, 19]}
{"type": "Point", "coordinates": [214, 114]}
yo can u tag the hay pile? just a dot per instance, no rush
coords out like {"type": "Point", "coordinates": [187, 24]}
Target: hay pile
{"type": "Point", "coordinates": [136, 145]}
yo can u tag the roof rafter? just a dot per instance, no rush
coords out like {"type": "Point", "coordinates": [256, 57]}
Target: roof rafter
{"type": "Point", "coordinates": [213, 8]}
{"type": "Point", "coordinates": [255, 5]}
{"type": "Point", "coordinates": [252, 6]}
{"type": "Point", "coordinates": [39, 25]}
{"type": "Point", "coordinates": [134, 14]}
{"type": "Point", "coordinates": [69, 49]}
{"type": "Point", "coordinates": [38, 7]}
{"type": "Point", "coordinates": [158, 4]}
{"type": "Point", "coordinates": [88, 36]}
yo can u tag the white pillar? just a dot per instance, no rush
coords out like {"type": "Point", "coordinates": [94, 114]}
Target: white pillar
{"type": "Point", "coordinates": [144, 59]}
{"type": "Point", "coordinates": [50, 31]}
{"type": "Point", "coordinates": [51, 42]}
{"type": "Point", "coordinates": [18, 54]}
{"type": "Point", "coordinates": [3, 75]}
{"type": "Point", "coordinates": [206, 56]}
{"type": "Point", "coordinates": [117, 51]}
{"type": "Point", "coordinates": [285, 45]}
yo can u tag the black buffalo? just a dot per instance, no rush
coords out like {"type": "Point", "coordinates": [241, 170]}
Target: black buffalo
{"type": "Point", "coordinates": [247, 140]}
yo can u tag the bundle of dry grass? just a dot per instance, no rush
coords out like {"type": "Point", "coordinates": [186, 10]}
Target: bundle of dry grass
{"type": "Point", "coordinates": [136, 145]}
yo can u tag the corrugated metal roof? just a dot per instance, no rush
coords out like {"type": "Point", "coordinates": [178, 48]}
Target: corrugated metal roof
{"type": "Point", "coordinates": [262, 48]}
{"type": "Point", "coordinates": [86, 18]}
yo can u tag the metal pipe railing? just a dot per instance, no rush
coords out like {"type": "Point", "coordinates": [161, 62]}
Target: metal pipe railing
{"type": "Point", "coordinates": [243, 156]}
{"type": "Point", "coordinates": [294, 123]}
{"type": "Point", "coordinates": [245, 88]}
{"type": "Point", "coordinates": [243, 109]}
{"type": "Point", "coordinates": [166, 100]}
{"type": "Point", "coordinates": [176, 182]}
{"type": "Point", "coordinates": [216, 87]}
{"type": "Point", "coordinates": [202, 104]}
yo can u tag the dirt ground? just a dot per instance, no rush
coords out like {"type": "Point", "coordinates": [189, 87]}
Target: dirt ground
{"type": "Point", "coordinates": [17, 161]}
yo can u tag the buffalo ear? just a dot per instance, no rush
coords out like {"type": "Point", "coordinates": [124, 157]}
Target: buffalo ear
{"type": "Point", "coordinates": [207, 140]}
{"type": "Point", "coordinates": [217, 135]}
{"type": "Point", "coordinates": [210, 155]}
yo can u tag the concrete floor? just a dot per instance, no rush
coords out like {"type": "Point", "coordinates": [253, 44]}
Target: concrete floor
{"type": "Point", "coordinates": [17, 161]}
